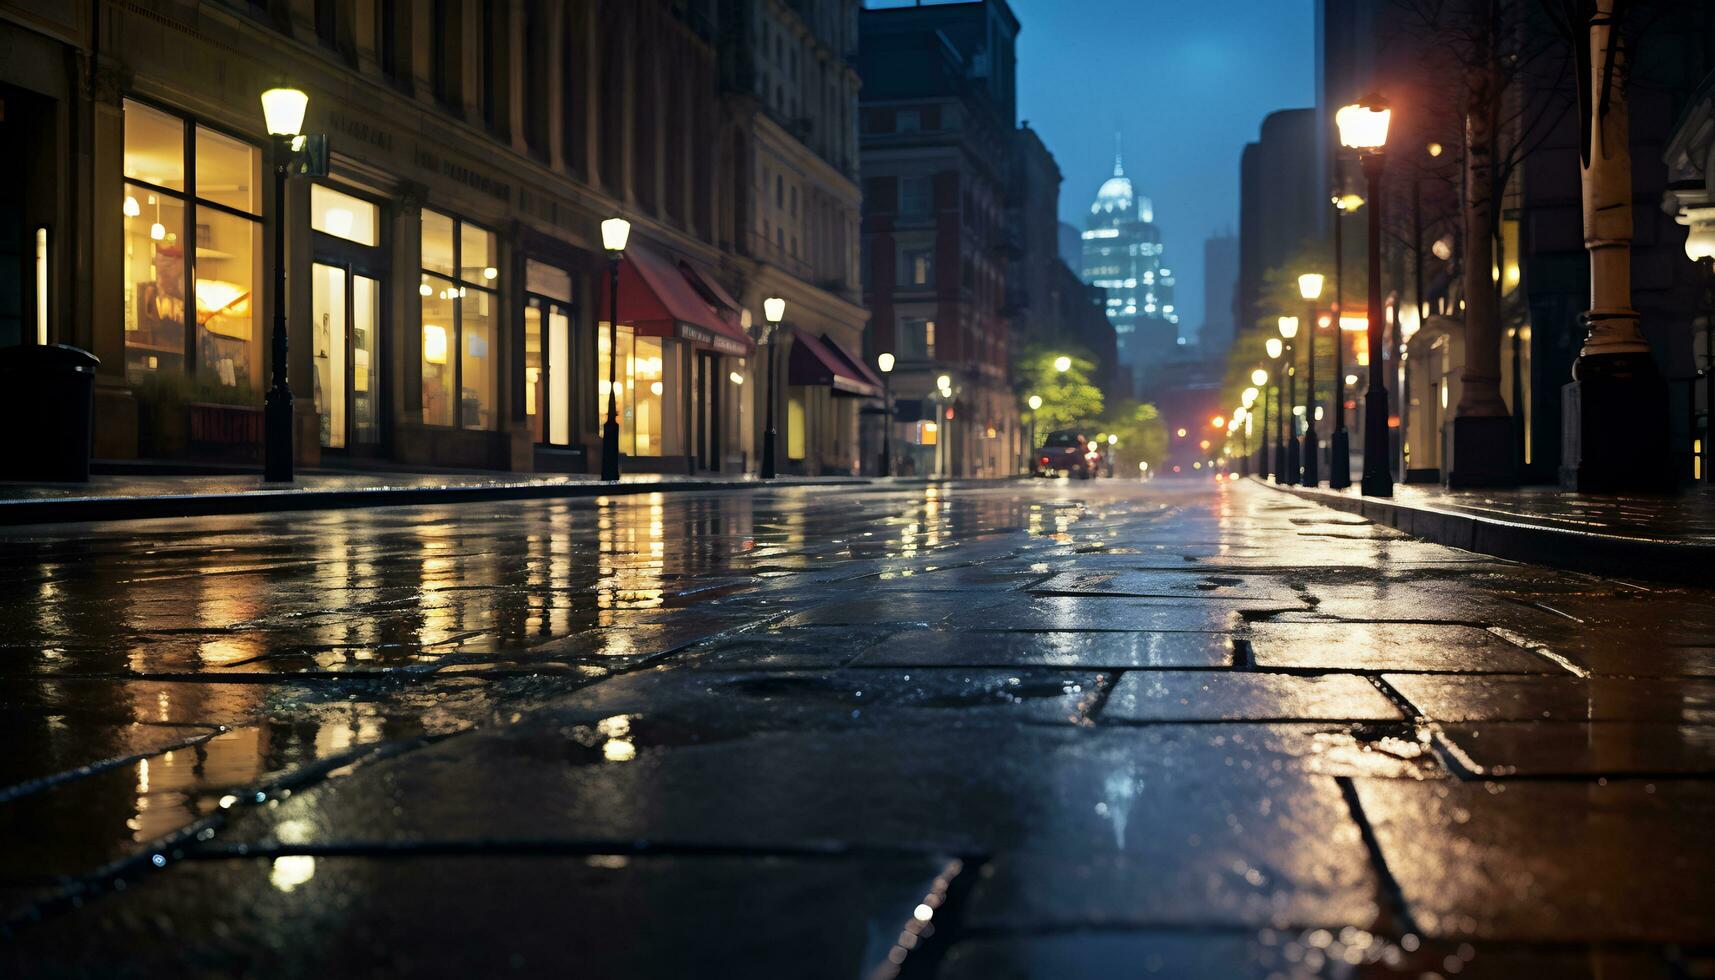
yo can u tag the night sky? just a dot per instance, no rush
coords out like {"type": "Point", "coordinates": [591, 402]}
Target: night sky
{"type": "Point", "coordinates": [1187, 82]}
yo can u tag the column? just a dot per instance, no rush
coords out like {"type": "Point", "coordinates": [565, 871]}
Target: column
{"type": "Point", "coordinates": [1614, 414]}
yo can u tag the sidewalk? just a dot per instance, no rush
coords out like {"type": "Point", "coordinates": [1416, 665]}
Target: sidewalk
{"type": "Point", "coordinates": [106, 498]}
{"type": "Point", "coordinates": [1670, 538]}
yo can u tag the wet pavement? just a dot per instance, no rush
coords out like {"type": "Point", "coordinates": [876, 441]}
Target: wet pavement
{"type": "Point", "coordinates": [1036, 730]}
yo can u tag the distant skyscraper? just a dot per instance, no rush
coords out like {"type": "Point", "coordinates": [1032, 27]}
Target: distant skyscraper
{"type": "Point", "coordinates": [1123, 254]}
{"type": "Point", "coordinates": [1220, 278]}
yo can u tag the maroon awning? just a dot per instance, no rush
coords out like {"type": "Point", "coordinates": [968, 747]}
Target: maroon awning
{"type": "Point", "coordinates": [814, 363]}
{"type": "Point", "coordinates": [658, 299]}
{"type": "Point", "coordinates": [856, 364]}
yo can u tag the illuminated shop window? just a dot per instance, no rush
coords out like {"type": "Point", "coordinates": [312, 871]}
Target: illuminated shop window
{"type": "Point", "coordinates": [647, 369]}
{"type": "Point", "coordinates": [211, 330]}
{"type": "Point", "coordinates": [460, 362]}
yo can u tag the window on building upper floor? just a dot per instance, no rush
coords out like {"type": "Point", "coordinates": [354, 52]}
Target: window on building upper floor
{"type": "Point", "coordinates": [914, 195]}
{"type": "Point", "coordinates": [916, 339]}
{"type": "Point", "coordinates": [779, 191]}
{"type": "Point", "coordinates": [917, 265]}
{"type": "Point", "coordinates": [907, 121]}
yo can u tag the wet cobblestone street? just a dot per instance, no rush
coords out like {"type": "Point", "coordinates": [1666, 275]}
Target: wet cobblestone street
{"type": "Point", "coordinates": [1047, 730]}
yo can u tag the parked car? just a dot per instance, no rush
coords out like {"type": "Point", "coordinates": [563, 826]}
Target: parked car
{"type": "Point", "coordinates": [1067, 453]}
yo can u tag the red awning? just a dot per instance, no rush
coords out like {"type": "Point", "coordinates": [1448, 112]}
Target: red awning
{"type": "Point", "coordinates": [856, 364]}
{"type": "Point", "coordinates": [657, 300]}
{"type": "Point", "coordinates": [813, 363]}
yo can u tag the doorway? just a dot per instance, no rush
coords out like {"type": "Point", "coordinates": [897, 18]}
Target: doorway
{"type": "Point", "coordinates": [346, 306]}
{"type": "Point", "coordinates": [707, 388]}
{"type": "Point", "coordinates": [548, 370]}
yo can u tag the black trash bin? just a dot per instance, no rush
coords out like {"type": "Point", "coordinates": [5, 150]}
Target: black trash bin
{"type": "Point", "coordinates": [47, 396]}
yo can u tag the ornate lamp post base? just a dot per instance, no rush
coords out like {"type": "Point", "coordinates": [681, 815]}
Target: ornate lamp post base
{"type": "Point", "coordinates": [1615, 426]}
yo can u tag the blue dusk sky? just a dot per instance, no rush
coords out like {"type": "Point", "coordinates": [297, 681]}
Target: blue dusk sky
{"type": "Point", "coordinates": [1188, 83]}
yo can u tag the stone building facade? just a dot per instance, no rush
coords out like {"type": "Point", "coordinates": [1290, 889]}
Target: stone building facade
{"type": "Point", "coordinates": [936, 130]}
{"type": "Point", "coordinates": [445, 282]}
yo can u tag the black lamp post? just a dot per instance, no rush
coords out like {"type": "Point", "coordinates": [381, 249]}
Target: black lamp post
{"type": "Point", "coordinates": [283, 113]}
{"type": "Point", "coordinates": [615, 232]}
{"type": "Point", "coordinates": [1259, 377]}
{"type": "Point", "coordinates": [773, 311]}
{"type": "Point", "coordinates": [1363, 127]}
{"type": "Point", "coordinates": [1700, 247]}
{"type": "Point", "coordinates": [1310, 288]}
{"type": "Point", "coordinates": [885, 361]}
{"type": "Point", "coordinates": [1340, 444]}
{"type": "Point", "coordinates": [1290, 461]}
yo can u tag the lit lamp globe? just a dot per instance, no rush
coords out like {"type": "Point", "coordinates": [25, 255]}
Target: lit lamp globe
{"type": "Point", "coordinates": [1363, 125]}
{"type": "Point", "coordinates": [1273, 346]}
{"type": "Point", "coordinates": [1348, 202]}
{"type": "Point", "coordinates": [1289, 327]}
{"type": "Point", "coordinates": [1113, 440]}
{"type": "Point", "coordinates": [884, 361]}
{"type": "Point", "coordinates": [774, 308]}
{"type": "Point", "coordinates": [1310, 285]}
{"type": "Point", "coordinates": [1700, 243]}
{"type": "Point", "coordinates": [1062, 364]}
{"type": "Point", "coordinates": [283, 111]}
{"type": "Point", "coordinates": [1259, 377]}
{"type": "Point", "coordinates": [1035, 403]}
{"type": "Point", "coordinates": [944, 382]}
{"type": "Point", "coordinates": [615, 232]}
{"type": "Point", "coordinates": [1250, 396]}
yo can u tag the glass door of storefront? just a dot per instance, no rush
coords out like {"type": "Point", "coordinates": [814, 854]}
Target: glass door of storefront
{"type": "Point", "coordinates": [548, 369]}
{"type": "Point", "coordinates": [346, 305]}
{"type": "Point", "coordinates": [706, 396]}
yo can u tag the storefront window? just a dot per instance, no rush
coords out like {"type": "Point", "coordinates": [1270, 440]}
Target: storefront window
{"type": "Point", "coordinates": [438, 329]}
{"type": "Point", "coordinates": [796, 422]}
{"type": "Point", "coordinates": [218, 314]}
{"type": "Point", "coordinates": [344, 216]}
{"type": "Point", "coordinates": [647, 370]}
{"type": "Point", "coordinates": [459, 317]}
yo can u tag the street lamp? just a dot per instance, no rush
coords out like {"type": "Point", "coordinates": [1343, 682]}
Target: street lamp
{"type": "Point", "coordinates": [1259, 377]}
{"type": "Point", "coordinates": [1062, 364]}
{"type": "Point", "coordinates": [1310, 288]}
{"type": "Point", "coordinates": [1363, 127]}
{"type": "Point", "coordinates": [1275, 348]}
{"type": "Point", "coordinates": [283, 113]}
{"type": "Point", "coordinates": [615, 232]}
{"type": "Point", "coordinates": [884, 360]}
{"type": "Point", "coordinates": [1290, 462]}
{"type": "Point", "coordinates": [1700, 248]}
{"type": "Point", "coordinates": [773, 311]}
{"type": "Point", "coordinates": [946, 393]}
{"type": "Point", "coordinates": [1340, 447]}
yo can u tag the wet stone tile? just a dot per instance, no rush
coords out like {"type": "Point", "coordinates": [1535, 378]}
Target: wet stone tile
{"type": "Point", "coordinates": [542, 915]}
{"type": "Point", "coordinates": [1166, 696]}
{"type": "Point", "coordinates": [1050, 648]}
{"type": "Point", "coordinates": [1383, 646]}
{"type": "Point", "coordinates": [1274, 954]}
{"type": "Point", "coordinates": [1628, 861]}
{"type": "Point", "coordinates": [1445, 697]}
{"type": "Point", "coordinates": [1205, 585]}
{"type": "Point", "coordinates": [1578, 750]}
{"type": "Point", "coordinates": [841, 698]}
{"type": "Point", "coordinates": [791, 648]}
{"type": "Point", "coordinates": [54, 747]}
{"type": "Point", "coordinates": [1115, 613]}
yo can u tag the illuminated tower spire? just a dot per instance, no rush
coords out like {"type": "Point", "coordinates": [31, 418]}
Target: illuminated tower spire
{"type": "Point", "coordinates": [1119, 166]}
